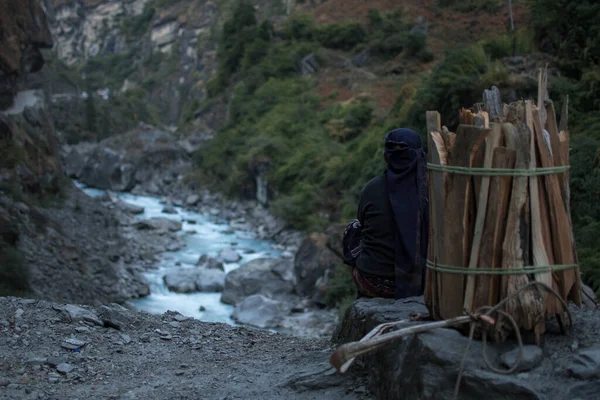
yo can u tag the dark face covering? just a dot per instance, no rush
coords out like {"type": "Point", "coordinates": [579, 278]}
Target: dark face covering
{"type": "Point", "coordinates": [407, 190]}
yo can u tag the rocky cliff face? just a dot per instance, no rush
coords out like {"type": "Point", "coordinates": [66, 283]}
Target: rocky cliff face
{"type": "Point", "coordinates": [169, 46]}
{"type": "Point", "coordinates": [55, 242]}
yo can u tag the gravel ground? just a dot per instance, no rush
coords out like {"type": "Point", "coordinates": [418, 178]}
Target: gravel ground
{"type": "Point", "coordinates": [54, 351]}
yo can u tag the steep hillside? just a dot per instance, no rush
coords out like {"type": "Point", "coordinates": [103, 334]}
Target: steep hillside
{"type": "Point", "coordinates": [299, 93]}
{"type": "Point", "coordinates": [55, 242]}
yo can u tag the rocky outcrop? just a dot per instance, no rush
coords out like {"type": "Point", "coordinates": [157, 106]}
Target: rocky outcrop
{"type": "Point", "coordinates": [425, 366]}
{"type": "Point", "coordinates": [23, 32]}
{"type": "Point", "coordinates": [141, 31]}
{"type": "Point", "coordinates": [266, 276]}
{"type": "Point", "coordinates": [145, 157]}
{"type": "Point", "coordinates": [314, 266]}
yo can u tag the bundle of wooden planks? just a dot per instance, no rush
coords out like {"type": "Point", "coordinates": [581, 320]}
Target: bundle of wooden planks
{"type": "Point", "coordinates": [500, 216]}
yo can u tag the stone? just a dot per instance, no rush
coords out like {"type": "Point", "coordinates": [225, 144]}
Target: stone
{"type": "Point", "coordinates": [260, 311]}
{"type": "Point", "coordinates": [82, 329]}
{"type": "Point", "coordinates": [77, 313]}
{"type": "Point", "coordinates": [287, 255]}
{"type": "Point", "coordinates": [65, 368]}
{"type": "Point", "coordinates": [190, 280]}
{"type": "Point", "coordinates": [169, 210]}
{"type": "Point", "coordinates": [54, 361]}
{"type": "Point", "coordinates": [266, 276]}
{"type": "Point", "coordinates": [53, 377]}
{"type": "Point", "coordinates": [73, 344]}
{"type": "Point", "coordinates": [159, 223]}
{"type": "Point", "coordinates": [36, 361]}
{"type": "Point", "coordinates": [313, 266]}
{"type": "Point", "coordinates": [202, 309]}
{"type": "Point", "coordinates": [532, 357]}
{"type": "Point", "coordinates": [209, 262]}
{"type": "Point", "coordinates": [584, 391]}
{"type": "Point", "coordinates": [586, 364]}
{"type": "Point", "coordinates": [229, 256]}
{"type": "Point", "coordinates": [4, 381]}
{"type": "Point", "coordinates": [114, 317]}
{"type": "Point", "coordinates": [192, 200]}
{"type": "Point", "coordinates": [130, 208]}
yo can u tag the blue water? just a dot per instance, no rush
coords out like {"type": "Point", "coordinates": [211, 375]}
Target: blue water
{"type": "Point", "coordinates": [210, 238]}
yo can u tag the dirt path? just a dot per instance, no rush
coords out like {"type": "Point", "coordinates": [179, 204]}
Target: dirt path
{"type": "Point", "coordinates": [49, 351]}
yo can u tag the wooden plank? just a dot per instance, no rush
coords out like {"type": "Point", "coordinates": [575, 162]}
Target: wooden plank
{"type": "Point", "coordinates": [468, 140]}
{"type": "Point", "coordinates": [490, 251]}
{"type": "Point", "coordinates": [528, 307]}
{"type": "Point", "coordinates": [560, 223]}
{"type": "Point", "coordinates": [541, 252]}
{"type": "Point", "coordinates": [436, 197]}
{"type": "Point", "coordinates": [493, 103]}
{"type": "Point", "coordinates": [491, 142]}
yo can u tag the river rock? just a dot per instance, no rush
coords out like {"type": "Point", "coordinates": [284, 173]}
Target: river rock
{"type": "Point", "coordinates": [189, 280]}
{"type": "Point", "coordinates": [260, 311]}
{"type": "Point", "coordinates": [169, 210]}
{"type": "Point", "coordinates": [229, 256]}
{"type": "Point", "coordinates": [192, 200]}
{"type": "Point", "coordinates": [313, 267]}
{"type": "Point", "coordinates": [65, 368]}
{"type": "Point", "coordinates": [268, 276]}
{"type": "Point", "coordinates": [159, 223]}
{"type": "Point", "coordinates": [532, 357]}
{"type": "Point", "coordinates": [206, 261]}
{"type": "Point", "coordinates": [586, 364]}
{"type": "Point", "coordinates": [130, 208]}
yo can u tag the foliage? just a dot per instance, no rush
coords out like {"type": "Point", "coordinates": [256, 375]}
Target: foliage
{"type": "Point", "coordinates": [140, 23]}
{"type": "Point", "coordinates": [502, 45]}
{"type": "Point", "coordinates": [341, 291]}
{"type": "Point", "coordinates": [14, 273]}
{"type": "Point", "coordinates": [468, 6]}
{"type": "Point", "coordinates": [571, 31]}
{"type": "Point", "coordinates": [10, 154]}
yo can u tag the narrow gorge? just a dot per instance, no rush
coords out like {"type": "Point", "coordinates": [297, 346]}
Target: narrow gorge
{"type": "Point", "coordinates": [176, 177]}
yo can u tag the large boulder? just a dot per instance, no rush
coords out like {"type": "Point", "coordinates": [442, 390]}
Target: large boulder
{"type": "Point", "coordinates": [189, 280]}
{"type": "Point", "coordinates": [260, 311]}
{"type": "Point", "coordinates": [314, 266]}
{"type": "Point", "coordinates": [267, 276]}
{"type": "Point", "coordinates": [426, 365]}
{"type": "Point", "coordinates": [145, 156]}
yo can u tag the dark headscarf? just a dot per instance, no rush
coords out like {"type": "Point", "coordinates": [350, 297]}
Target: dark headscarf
{"type": "Point", "coordinates": [406, 178]}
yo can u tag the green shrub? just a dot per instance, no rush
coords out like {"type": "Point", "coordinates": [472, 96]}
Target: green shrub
{"type": "Point", "coordinates": [502, 46]}
{"type": "Point", "coordinates": [342, 36]}
{"type": "Point", "coordinates": [341, 290]}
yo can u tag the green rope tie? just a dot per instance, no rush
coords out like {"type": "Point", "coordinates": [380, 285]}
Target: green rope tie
{"type": "Point", "coordinates": [499, 271]}
{"type": "Point", "coordinates": [498, 171]}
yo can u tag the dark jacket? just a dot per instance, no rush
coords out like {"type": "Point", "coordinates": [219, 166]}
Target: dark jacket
{"type": "Point", "coordinates": [378, 230]}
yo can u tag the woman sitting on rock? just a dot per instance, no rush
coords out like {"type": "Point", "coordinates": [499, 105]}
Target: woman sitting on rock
{"type": "Point", "coordinates": [386, 246]}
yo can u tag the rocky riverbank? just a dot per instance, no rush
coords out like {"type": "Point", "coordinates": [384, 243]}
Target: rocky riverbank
{"type": "Point", "coordinates": [58, 351]}
{"type": "Point", "coordinates": [285, 293]}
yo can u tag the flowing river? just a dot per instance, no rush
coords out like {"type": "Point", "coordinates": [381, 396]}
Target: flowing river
{"type": "Point", "coordinates": [210, 238]}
